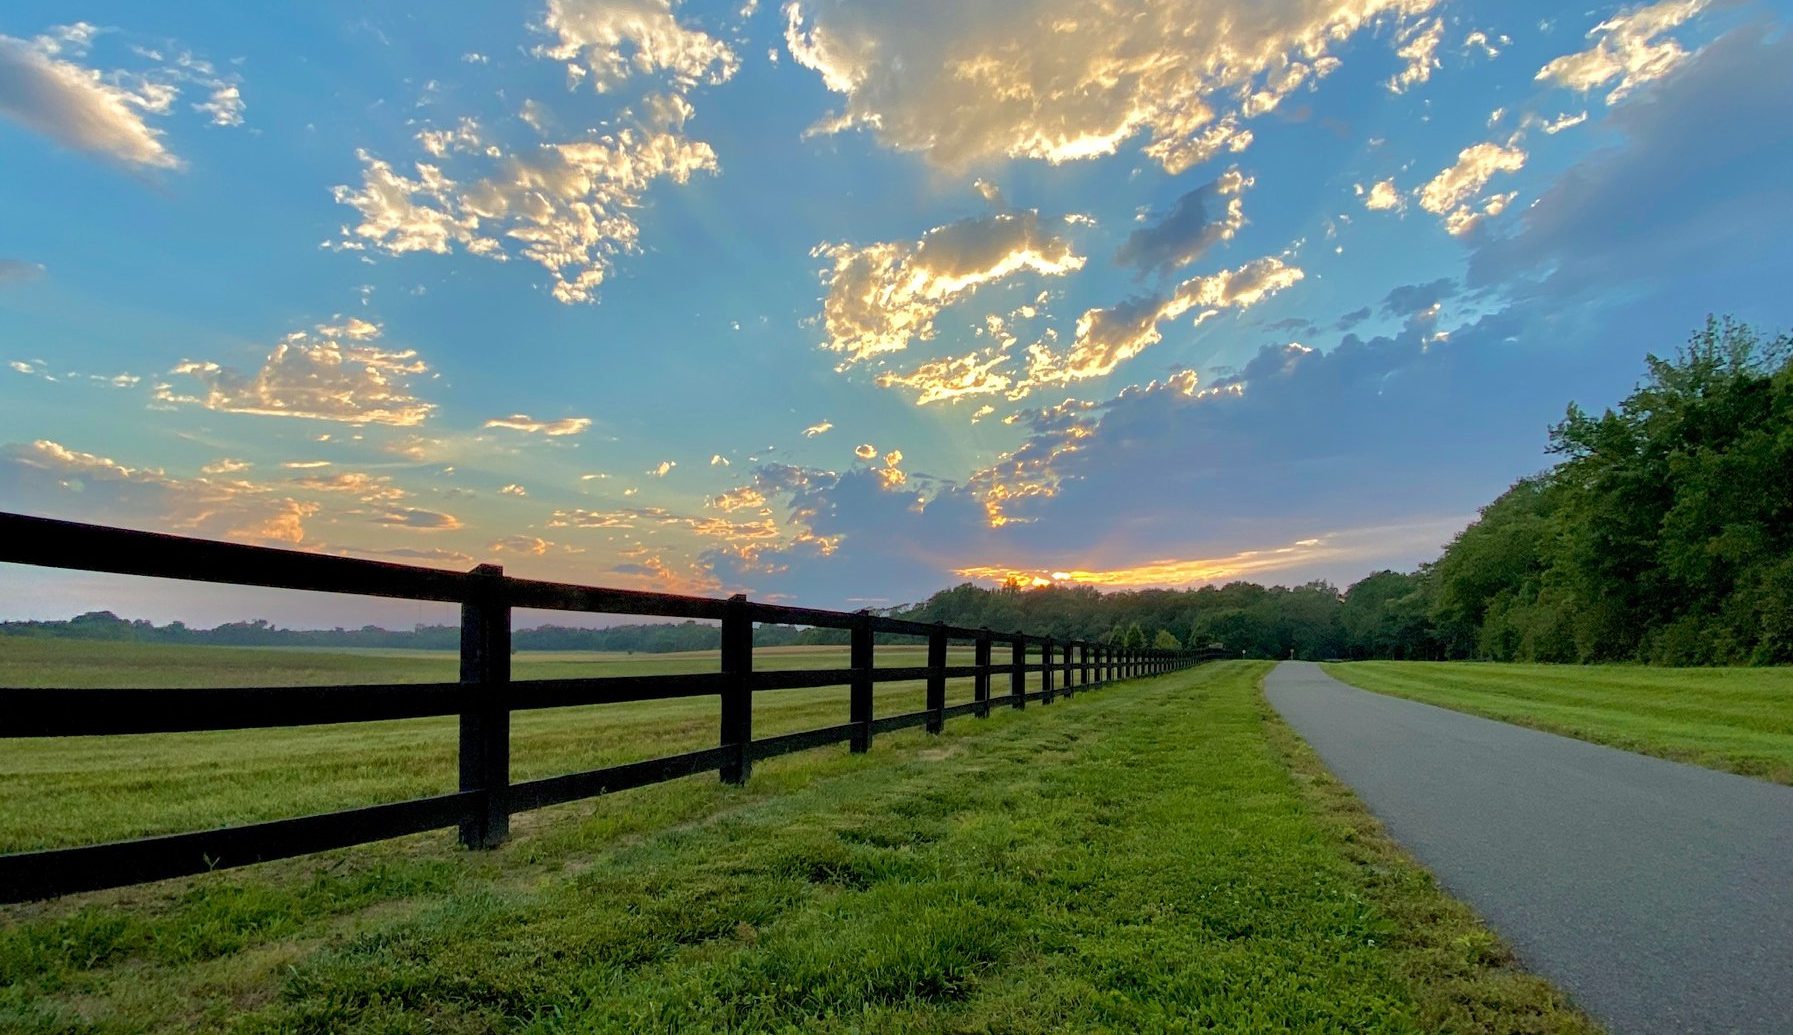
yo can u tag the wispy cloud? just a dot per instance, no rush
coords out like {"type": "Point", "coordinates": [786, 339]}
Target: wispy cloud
{"type": "Point", "coordinates": [333, 373]}
{"type": "Point", "coordinates": [552, 428]}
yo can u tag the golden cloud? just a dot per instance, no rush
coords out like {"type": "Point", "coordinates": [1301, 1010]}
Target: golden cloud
{"type": "Point", "coordinates": [326, 375]}
{"type": "Point", "coordinates": [882, 296]}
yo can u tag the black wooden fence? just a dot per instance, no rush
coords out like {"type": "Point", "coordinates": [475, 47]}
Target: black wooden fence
{"type": "Point", "coordinates": [485, 696]}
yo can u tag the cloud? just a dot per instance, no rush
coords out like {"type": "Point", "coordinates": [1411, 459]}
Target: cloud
{"type": "Point", "coordinates": [224, 105]}
{"type": "Point", "coordinates": [330, 374]}
{"type": "Point", "coordinates": [532, 545]}
{"type": "Point", "coordinates": [611, 40]}
{"type": "Point", "coordinates": [1686, 206]}
{"type": "Point", "coordinates": [865, 451]}
{"type": "Point", "coordinates": [1299, 465]}
{"type": "Point", "coordinates": [820, 428]}
{"type": "Point", "coordinates": [1062, 80]}
{"type": "Point", "coordinates": [79, 107]}
{"type": "Point", "coordinates": [570, 208]}
{"type": "Point", "coordinates": [1419, 48]}
{"type": "Point", "coordinates": [226, 465]}
{"type": "Point", "coordinates": [882, 296]}
{"type": "Point", "coordinates": [1382, 196]}
{"type": "Point", "coordinates": [464, 137]}
{"type": "Point", "coordinates": [1562, 122]}
{"type": "Point", "coordinates": [16, 271]}
{"type": "Point", "coordinates": [513, 490]}
{"type": "Point", "coordinates": [1190, 228]}
{"type": "Point", "coordinates": [551, 428]}
{"type": "Point", "coordinates": [663, 468]}
{"type": "Point", "coordinates": [744, 539]}
{"type": "Point", "coordinates": [1108, 337]}
{"type": "Point", "coordinates": [368, 488]}
{"type": "Point", "coordinates": [1409, 299]}
{"type": "Point", "coordinates": [954, 377]}
{"type": "Point", "coordinates": [1182, 572]}
{"type": "Point", "coordinates": [46, 477]}
{"type": "Point", "coordinates": [1478, 40]}
{"type": "Point", "coordinates": [1626, 47]}
{"type": "Point", "coordinates": [417, 519]}
{"type": "Point", "coordinates": [1450, 193]}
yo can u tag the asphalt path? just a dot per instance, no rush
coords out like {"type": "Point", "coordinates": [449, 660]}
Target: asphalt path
{"type": "Point", "coordinates": [1658, 895]}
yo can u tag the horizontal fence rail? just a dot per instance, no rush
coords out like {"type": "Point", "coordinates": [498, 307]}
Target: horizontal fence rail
{"type": "Point", "coordinates": [486, 695]}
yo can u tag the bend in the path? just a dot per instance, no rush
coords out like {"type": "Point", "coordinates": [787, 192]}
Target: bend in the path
{"type": "Point", "coordinates": [1659, 895]}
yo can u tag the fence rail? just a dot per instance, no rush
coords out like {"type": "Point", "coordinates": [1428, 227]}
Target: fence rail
{"type": "Point", "coordinates": [485, 696]}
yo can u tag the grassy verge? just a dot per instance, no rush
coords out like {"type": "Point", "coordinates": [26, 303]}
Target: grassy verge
{"type": "Point", "coordinates": [1739, 720]}
{"type": "Point", "coordinates": [1137, 858]}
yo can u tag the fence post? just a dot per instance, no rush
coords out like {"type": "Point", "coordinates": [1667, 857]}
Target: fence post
{"type": "Point", "coordinates": [485, 709]}
{"type": "Point", "coordinates": [1046, 652]}
{"type": "Point", "coordinates": [980, 683]}
{"type": "Point", "coordinates": [1018, 671]}
{"type": "Point", "coordinates": [1069, 689]}
{"type": "Point", "coordinates": [1083, 657]}
{"type": "Point", "coordinates": [937, 678]}
{"type": "Point", "coordinates": [859, 703]}
{"type": "Point", "coordinates": [737, 695]}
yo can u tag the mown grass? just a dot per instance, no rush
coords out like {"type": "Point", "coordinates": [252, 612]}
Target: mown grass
{"type": "Point", "coordinates": [1139, 858]}
{"type": "Point", "coordinates": [1739, 720]}
{"type": "Point", "coordinates": [86, 789]}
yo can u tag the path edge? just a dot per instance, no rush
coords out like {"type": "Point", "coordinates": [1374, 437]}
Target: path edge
{"type": "Point", "coordinates": [1461, 975]}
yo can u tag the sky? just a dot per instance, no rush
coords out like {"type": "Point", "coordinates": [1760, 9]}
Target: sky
{"type": "Point", "coordinates": [839, 303]}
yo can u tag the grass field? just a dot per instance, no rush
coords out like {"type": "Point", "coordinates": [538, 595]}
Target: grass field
{"type": "Point", "coordinates": [1159, 855]}
{"type": "Point", "coordinates": [84, 789]}
{"type": "Point", "coordinates": [1736, 719]}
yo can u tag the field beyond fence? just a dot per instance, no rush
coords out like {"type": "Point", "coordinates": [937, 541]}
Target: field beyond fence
{"type": "Point", "coordinates": [486, 695]}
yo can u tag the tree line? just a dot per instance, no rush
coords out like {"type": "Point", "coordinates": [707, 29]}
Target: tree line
{"type": "Point", "coordinates": [1663, 534]}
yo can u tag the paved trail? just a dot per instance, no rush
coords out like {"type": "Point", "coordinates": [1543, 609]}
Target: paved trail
{"type": "Point", "coordinates": [1658, 895]}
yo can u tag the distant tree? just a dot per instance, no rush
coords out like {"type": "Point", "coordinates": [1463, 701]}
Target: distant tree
{"type": "Point", "coordinates": [1166, 640]}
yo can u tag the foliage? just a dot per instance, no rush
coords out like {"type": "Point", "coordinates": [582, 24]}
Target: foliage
{"type": "Point", "coordinates": [1665, 534]}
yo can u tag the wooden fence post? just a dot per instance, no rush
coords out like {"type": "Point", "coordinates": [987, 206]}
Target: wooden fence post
{"type": "Point", "coordinates": [859, 704]}
{"type": "Point", "coordinates": [1018, 671]}
{"type": "Point", "coordinates": [937, 678]}
{"type": "Point", "coordinates": [980, 684]}
{"type": "Point", "coordinates": [737, 694]}
{"type": "Point", "coordinates": [1069, 689]}
{"type": "Point", "coordinates": [1083, 658]}
{"type": "Point", "coordinates": [485, 709]}
{"type": "Point", "coordinates": [1046, 652]}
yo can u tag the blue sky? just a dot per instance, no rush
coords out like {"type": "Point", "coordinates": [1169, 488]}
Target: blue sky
{"type": "Point", "coordinates": [841, 303]}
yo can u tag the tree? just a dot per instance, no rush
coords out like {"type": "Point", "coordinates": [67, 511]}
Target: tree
{"type": "Point", "coordinates": [1166, 640]}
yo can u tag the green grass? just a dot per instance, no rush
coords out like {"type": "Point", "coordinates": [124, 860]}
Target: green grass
{"type": "Point", "coordinates": [1162, 855]}
{"type": "Point", "coordinates": [1739, 720]}
{"type": "Point", "coordinates": [85, 789]}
